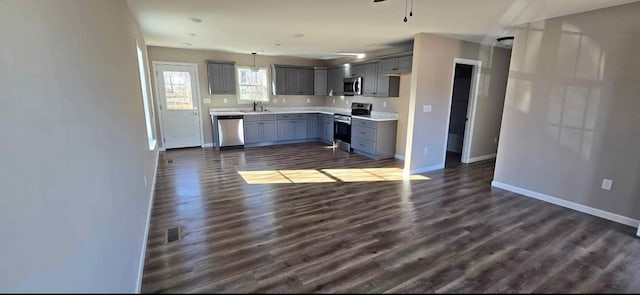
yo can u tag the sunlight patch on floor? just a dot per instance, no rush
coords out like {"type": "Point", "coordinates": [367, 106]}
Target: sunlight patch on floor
{"type": "Point", "coordinates": [327, 175]}
{"type": "Point", "coordinates": [371, 174]}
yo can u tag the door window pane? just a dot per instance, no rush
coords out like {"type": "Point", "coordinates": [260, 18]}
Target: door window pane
{"type": "Point", "coordinates": [177, 86]}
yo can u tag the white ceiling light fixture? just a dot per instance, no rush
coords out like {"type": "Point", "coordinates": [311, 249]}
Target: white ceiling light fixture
{"type": "Point", "coordinates": [357, 55]}
{"type": "Point", "coordinates": [506, 41]}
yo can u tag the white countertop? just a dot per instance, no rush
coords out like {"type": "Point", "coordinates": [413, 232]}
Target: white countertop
{"type": "Point", "coordinates": [375, 116]}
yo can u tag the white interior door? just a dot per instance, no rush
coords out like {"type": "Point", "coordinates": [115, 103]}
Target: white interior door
{"type": "Point", "coordinates": [177, 94]}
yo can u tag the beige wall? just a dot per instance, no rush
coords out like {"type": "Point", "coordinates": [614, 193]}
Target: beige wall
{"type": "Point", "coordinates": [200, 56]}
{"type": "Point", "coordinates": [73, 207]}
{"type": "Point", "coordinates": [431, 84]}
{"type": "Point", "coordinates": [571, 111]}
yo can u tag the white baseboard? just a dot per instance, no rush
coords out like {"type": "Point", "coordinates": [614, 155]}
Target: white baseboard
{"type": "Point", "coordinates": [567, 204]}
{"type": "Point", "coordinates": [143, 251]}
{"type": "Point", "coordinates": [481, 158]}
{"type": "Point", "coordinates": [206, 145]}
{"type": "Point", "coordinates": [427, 169]}
{"type": "Point", "coordinates": [399, 157]}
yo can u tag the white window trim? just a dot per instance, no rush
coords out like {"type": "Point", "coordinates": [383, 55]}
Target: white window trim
{"type": "Point", "coordinates": [147, 104]}
{"type": "Point", "coordinates": [240, 101]}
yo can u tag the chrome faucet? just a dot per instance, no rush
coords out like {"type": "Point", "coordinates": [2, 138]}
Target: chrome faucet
{"type": "Point", "coordinates": [257, 104]}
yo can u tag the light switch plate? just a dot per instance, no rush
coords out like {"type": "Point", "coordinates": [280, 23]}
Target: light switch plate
{"type": "Point", "coordinates": [284, 100]}
{"type": "Point", "coordinates": [206, 100]}
{"type": "Point", "coordinates": [606, 184]}
{"type": "Point", "coordinates": [427, 108]}
{"type": "Point", "coordinates": [334, 101]}
{"type": "Point", "coordinates": [275, 100]}
{"type": "Point", "coordinates": [308, 100]}
{"type": "Point", "coordinates": [384, 104]}
{"type": "Point", "coordinates": [225, 100]}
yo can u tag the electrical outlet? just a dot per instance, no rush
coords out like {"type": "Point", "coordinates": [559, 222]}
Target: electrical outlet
{"type": "Point", "coordinates": [495, 140]}
{"type": "Point", "coordinates": [346, 102]}
{"type": "Point", "coordinates": [275, 100]}
{"type": "Point", "coordinates": [206, 100]}
{"type": "Point", "coordinates": [384, 104]}
{"type": "Point", "coordinates": [145, 181]}
{"type": "Point", "coordinates": [425, 151]}
{"type": "Point", "coordinates": [284, 100]}
{"type": "Point", "coordinates": [606, 184]}
{"type": "Point", "coordinates": [308, 100]}
{"type": "Point", "coordinates": [225, 100]}
{"type": "Point", "coordinates": [427, 108]}
{"type": "Point", "coordinates": [334, 101]}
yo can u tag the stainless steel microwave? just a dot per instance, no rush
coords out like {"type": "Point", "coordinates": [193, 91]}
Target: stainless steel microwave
{"type": "Point", "coordinates": [353, 86]}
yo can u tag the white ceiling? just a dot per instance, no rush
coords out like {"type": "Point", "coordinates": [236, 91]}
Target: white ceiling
{"type": "Point", "coordinates": [332, 26]}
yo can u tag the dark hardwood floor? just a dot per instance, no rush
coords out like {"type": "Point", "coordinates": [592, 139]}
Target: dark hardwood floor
{"type": "Point", "coordinates": [332, 225]}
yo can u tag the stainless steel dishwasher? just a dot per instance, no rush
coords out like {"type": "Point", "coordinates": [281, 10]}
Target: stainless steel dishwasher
{"type": "Point", "coordinates": [230, 130]}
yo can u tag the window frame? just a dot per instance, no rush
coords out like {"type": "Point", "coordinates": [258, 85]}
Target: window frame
{"type": "Point", "coordinates": [147, 103]}
{"type": "Point", "coordinates": [238, 86]}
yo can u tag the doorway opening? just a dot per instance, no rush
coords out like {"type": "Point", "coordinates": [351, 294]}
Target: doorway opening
{"type": "Point", "coordinates": [465, 79]}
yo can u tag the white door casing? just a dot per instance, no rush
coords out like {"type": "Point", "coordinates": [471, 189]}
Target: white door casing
{"type": "Point", "coordinates": [178, 100]}
{"type": "Point", "coordinates": [471, 107]}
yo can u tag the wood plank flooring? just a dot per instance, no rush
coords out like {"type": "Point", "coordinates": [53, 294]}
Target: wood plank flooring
{"type": "Point", "coordinates": [449, 233]}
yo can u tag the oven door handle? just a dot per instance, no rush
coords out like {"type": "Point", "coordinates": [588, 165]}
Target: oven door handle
{"type": "Point", "coordinates": [343, 121]}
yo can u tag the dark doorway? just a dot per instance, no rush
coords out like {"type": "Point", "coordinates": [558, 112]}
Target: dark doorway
{"type": "Point", "coordinates": [458, 116]}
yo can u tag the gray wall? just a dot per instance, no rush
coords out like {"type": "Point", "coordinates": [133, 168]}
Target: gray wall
{"type": "Point", "coordinates": [431, 84]}
{"type": "Point", "coordinates": [571, 110]}
{"type": "Point", "coordinates": [200, 56]}
{"type": "Point", "coordinates": [73, 208]}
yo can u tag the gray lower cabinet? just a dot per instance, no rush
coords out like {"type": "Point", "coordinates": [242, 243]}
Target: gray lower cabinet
{"type": "Point", "coordinates": [312, 126]}
{"type": "Point", "coordinates": [376, 140]}
{"type": "Point", "coordinates": [252, 132]}
{"type": "Point", "coordinates": [292, 127]}
{"type": "Point", "coordinates": [259, 129]}
{"type": "Point", "coordinates": [269, 131]}
{"type": "Point", "coordinates": [325, 129]}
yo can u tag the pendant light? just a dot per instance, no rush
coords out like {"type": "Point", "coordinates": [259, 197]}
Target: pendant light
{"type": "Point", "coordinates": [254, 68]}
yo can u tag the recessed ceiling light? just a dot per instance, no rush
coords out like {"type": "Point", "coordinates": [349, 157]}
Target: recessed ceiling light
{"type": "Point", "coordinates": [195, 20]}
{"type": "Point", "coordinates": [188, 44]}
{"type": "Point", "coordinates": [192, 34]}
{"type": "Point", "coordinates": [298, 35]}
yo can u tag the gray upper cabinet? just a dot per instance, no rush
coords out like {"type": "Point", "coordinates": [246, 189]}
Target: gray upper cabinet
{"type": "Point", "coordinates": [335, 81]}
{"type": "Point", "coordinates": [306, 81]}
{"type": "Point", "coordinates": [222, 77]}
{"type": "Point", "coordinates": [320, 82]}
{"type": "Point", "coordinates": [279, 77]}
{"type": "Point", "coordinates": [354, 71]}
{"type": "Point", "coordinates": [369, 79]}
{"type": "Point", "coordinates": [396, 65]}
{"type": "Point", "coordinates": [292, 80]}
{"type": "Point", "coordinates": [404, 64]}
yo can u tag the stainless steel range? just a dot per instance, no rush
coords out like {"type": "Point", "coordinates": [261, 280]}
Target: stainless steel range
{"type": "Point", "coordinates": [342, 125]}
